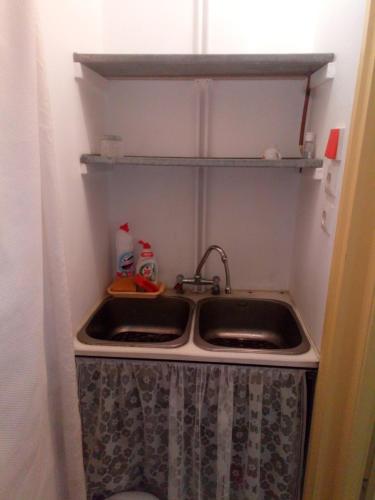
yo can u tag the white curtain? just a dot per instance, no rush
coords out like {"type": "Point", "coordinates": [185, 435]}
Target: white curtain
{"type": "Point", "coordinates": [40, 436]}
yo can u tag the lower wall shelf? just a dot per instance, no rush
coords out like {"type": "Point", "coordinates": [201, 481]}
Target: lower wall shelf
{"type": "Point", "coordinates": [170, 161]}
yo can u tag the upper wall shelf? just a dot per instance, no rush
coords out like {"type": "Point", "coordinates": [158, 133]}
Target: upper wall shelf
{"type": "Point", "coordinates": [121, 66]}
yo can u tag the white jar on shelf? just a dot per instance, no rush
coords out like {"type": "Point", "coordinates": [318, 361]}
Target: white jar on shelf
{"type": "Point", "coordinates": [309, 145]}
{"type": "Point", "coordinates": [111, 146]}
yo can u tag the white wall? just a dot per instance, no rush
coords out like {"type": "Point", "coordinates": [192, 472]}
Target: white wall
{"type": "Point", "coordinates": [340, 31]}
{"type": "Point", "coordinates": [247, 116]}
{"type": "Point", "coordinates": [235, 26]}
{"type": "Point", "coordinates": [251, 213]}
{"type": "Point", "coordinates": [159, 205]}
{"type": "Point", "coordinates": [77, 111]}
{"type": "Point", "coordinates": [236, 197]}
{"type": "Point", "coordinates": [149, 26]}
{"type": "Point", "coordinates": [156, 118]}
{"type": "Point", "coordinates": [253, 26]}
{"type": "Point", "coordinates": [153, 117]}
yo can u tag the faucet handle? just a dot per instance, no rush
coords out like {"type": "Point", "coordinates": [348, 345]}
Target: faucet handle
{"type": "Point", "coordinates": [215, 290]}
{"type": "Point", "coordinates": [179, 279]}
{"type": "Point", "coordinates": [179, 286]}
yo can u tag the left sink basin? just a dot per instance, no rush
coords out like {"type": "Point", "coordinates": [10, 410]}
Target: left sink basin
{"type": "Point", "coordinates": [160, 322]}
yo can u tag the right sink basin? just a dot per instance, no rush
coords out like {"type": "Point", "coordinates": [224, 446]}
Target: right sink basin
{"type": "Point", "coordinates": [260, 325]}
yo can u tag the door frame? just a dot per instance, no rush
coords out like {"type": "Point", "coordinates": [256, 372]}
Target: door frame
{"type": "Point", "coordinates": [344, 409]}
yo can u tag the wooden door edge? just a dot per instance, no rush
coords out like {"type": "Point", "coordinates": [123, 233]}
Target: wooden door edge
{"type": "Point", "coordinates": [343, 382]}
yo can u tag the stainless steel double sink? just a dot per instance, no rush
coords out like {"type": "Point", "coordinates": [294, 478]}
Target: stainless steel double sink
{"type": "Point", "coordinates": [218, 324]}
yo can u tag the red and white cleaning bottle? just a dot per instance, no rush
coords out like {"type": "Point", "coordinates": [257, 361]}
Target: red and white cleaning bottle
{"type": "Point", "coordinates": [125, 264]}
{"type": "Point", "coordinates": [147, 266]}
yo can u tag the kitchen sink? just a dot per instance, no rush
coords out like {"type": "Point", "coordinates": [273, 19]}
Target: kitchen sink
{"type": "Point", "coordinates": [261, 325]}
{"type": "Point", "coordinates": [160, 322]}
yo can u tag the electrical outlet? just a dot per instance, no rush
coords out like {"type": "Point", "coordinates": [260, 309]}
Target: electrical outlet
{"type": "Point", "coordinates": [327, 214]}
{"type": "Point", "coordinates": [331, 179]}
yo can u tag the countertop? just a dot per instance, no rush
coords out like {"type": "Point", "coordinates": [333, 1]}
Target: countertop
{"type": "Point", "coordinates": [191, 352]}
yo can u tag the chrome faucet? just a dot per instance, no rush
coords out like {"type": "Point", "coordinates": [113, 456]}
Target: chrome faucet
{"type": "Point", "coordinates": [198, 280]}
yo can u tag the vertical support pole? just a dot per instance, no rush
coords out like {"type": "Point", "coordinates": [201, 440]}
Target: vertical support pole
{"type": "Point", "coordinates": [202, 173]}
{"type": "Point", "coordinates": [200, 44]}
{"type": "Point", "coordinates": [197, 181]}
{"type": "Point", "coordinates": [204, 35]}
{"type": "Point", "coordinates": [200, 27]}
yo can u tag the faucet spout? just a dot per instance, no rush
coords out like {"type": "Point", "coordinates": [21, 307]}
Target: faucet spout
{"type": "Point", "coordinates": [224, 259]}
{"type": "Point", "coordinates": [197, 279]}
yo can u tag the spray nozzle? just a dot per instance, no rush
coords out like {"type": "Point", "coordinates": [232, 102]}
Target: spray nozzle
{"type": "Point", "coordinates": [146, 246]}
{"type": "Point", "coordinates": [125, 227]}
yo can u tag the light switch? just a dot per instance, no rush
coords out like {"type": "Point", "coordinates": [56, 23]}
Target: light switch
{"type": "Point", "coordinates": [327, 215]}
{"type": "Point", "coordinates": [331, 179]}
{"type": "Point", "coordinates": [335, 144]}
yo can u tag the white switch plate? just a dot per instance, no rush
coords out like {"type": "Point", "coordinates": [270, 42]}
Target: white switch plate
{"type": "Point", "coordinates": [331, 178]}
{"type": "Point", "coordinates": [340, 146]}
{"type": "Point", "coordinates": [326, 218]}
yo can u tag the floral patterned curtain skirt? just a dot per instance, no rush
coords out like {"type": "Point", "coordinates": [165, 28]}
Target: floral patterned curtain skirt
{"type": "Point", "coordinates": [191, 431]}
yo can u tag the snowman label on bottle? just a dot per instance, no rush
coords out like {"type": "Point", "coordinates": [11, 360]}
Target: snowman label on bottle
{"type": "Point", "coordinates": [125, 263]}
